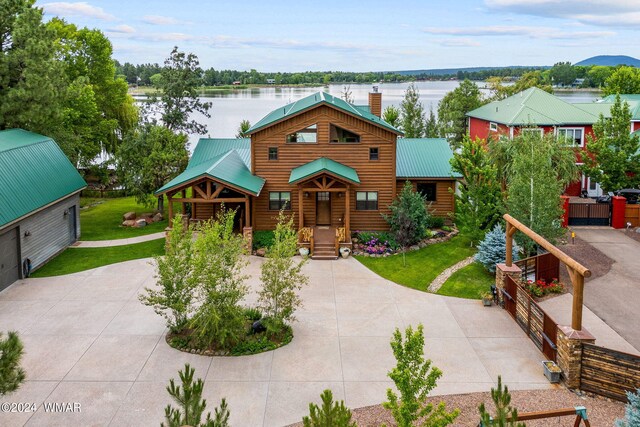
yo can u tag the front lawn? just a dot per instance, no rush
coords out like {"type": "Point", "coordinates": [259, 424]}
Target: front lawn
{"type": "Point", "coordinates": [73, 260]}
{"type": "Point", "coordinates": [468, 282]}
{"type": "Point", "coordinates": [422, 265]}
{"type": "Point", "coordinates": [101, 219]}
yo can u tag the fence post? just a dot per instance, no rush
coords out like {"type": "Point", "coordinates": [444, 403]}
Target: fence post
{"type": "Point", "coordinates": [569, 345]}
{"type": "Point", "coordinates": [618, 208]}
{"type": "Point", "coordinates": [501, 271]}
{"type": "Point", "coordinates": [565, 214]}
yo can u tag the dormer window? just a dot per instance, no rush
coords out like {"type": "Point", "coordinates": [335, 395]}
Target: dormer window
{"type": "Point", "coordinates": [308, 134]}
{"type": "Point", "coordinates": [338, 134]}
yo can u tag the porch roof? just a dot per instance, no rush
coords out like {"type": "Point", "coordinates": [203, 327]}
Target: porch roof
{"type": "Point", "coordinates": [228, 168]}
{"type": "Point", "coordinates": [323, 164]}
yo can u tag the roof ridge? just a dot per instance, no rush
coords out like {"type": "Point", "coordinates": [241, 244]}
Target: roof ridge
{"type": "Point", "coordinates": [222, 157]}
{"type": "Point", "coordinates": [46, 139]}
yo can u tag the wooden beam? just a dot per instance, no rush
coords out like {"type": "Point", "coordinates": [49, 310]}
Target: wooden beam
{"type": "Point", "coordinates": [331, 190]}
{"type": "Point", "coordinates": [170, 201]}
{"type": "Point", "coordinates": [347, 214]}
{"type": "Point", "coordinates": [330, 184]}
{"type": "Point", "coordinates": [566, 259]}
{"type": "Point", "coordinates": [223, 200]}
{"type": "Point", "coordinates": [247, 219]}
{"type": "Point", "coordinates": [209, 190]}
{"type": "Point", "coordinates": [300, 208]}
{"type": "Point", "coordinates": [200, 192]}
{"type": "Point", "coordinates": [219, 189]}
{"type": "Point", "coordinates": [509, 249]}
{"type": "Point", "coordinates": [578, 294]}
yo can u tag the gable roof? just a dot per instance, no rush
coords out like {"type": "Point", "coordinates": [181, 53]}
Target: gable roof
{"type": "Point", "coordinates": [225, 160]}
{"type": "Point", "coordinates": [533, 107]}
{"type": "Point", "coordinates": [424, 158]}
{"type": "Point", "coordinates": [312, 101]}
{"type": "Point", "coordinates": [632, 99]}
{"type": "Point", "coordinates": [34, 172]}
{"type": "Point", "coordinates": [323, 164]}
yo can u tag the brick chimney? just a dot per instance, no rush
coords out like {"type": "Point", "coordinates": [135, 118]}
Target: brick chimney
{"type": "Point", "coordinates": [375, 101]}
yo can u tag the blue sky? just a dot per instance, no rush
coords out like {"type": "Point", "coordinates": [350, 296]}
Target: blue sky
{"type": "Point", "coordinates": [349, 35]}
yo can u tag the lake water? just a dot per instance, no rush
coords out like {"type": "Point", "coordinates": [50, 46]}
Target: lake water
{"type": "Point", "coordinates": [230, 107]}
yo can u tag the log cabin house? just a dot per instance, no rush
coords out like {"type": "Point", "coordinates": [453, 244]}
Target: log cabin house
{"type": "Point", "coordinates": [335, 166]}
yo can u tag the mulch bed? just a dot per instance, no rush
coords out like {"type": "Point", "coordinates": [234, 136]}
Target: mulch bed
{"type": "Point", "coordinates": [601, 411]}
{"type": "Point", "coordinates": [632, 234]}
{"type": "Point", "coordinates": [587, 255]}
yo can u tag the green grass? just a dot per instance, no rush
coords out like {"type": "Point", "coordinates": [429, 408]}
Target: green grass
{"type": "Point", "coordinates": [468, 282]}
{"type": "Point", "coordinates": [73, 260]}
{"type": "Point", "coordinates": [423, 265]}
{"type": "Point", "coordinates": [103, 221]}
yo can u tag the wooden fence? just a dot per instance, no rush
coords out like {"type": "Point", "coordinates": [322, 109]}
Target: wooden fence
{"type": "Point", "coordinates": [533, 320]}
{"type": "Point", "coordinates": [589, 214]}
{"type": "Point", "coordinates": [632, 215]}
{"type": "Point", "coordinates": [544, 267]}
{"type": "Point", "coordinates": [609, 373]}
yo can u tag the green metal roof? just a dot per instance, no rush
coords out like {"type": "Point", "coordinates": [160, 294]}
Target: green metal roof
{"type": "Point", "coordinates": [34, 172]}
{"type": "Point", "coordinates": [323, 164]}
{"type": "Point", "coordinates": [424, 158]}
{"type": "Point", "coordinates": [320, 98]}
{"type": "Point", "coordinates": [228, 168]}
{"type": "Point", "coordinates": [208, 148]}
{"type": "Point", "coordinates": [596, 108]}
{"type": "Point", "coordinates": [533, 107]}
{"type": "Point", "coordinates": [632, 99]}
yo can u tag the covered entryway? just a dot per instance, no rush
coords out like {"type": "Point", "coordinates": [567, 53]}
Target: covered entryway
{"type": "Point", "coordinates": [323, 208]}
{"type": "Point", "coordinates": [9, 258]}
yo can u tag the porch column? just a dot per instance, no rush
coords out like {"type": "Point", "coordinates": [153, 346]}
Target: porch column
{"type": "Point", "coordinates": [184, 204]}
{"type": "Point", "coordinates": [247, 217]}
{"type": "Point", "coordinates": [170, 201]}
{"type": "Point", "coordinates": [300, 208]}
{"type": "Point", "coordinates": [347, 214]}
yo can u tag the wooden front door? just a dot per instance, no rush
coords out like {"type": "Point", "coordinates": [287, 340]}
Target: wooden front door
{"type": "Point", "coordinates": [323, 208]}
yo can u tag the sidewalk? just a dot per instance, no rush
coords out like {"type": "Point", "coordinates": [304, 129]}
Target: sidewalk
{"type": "Point", "coordinates": [118, 242]}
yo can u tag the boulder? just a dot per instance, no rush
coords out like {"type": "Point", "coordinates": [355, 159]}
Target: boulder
{"type": "Point", "coordinates": [141, 223]}
{"type": "Point", "coordinates": [129, 216]}
{"type": "Point", "coordinates": [157, 217]}
{"type": "Point", "coordinates": [129, 223]}
{"type": "Point", "coordinates": [261, 252]}
{"type": "Point", "coordinates": [148, 217]}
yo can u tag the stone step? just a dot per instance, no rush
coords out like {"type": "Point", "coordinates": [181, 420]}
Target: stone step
{"type": "Point", "coordinates": [324, 257]}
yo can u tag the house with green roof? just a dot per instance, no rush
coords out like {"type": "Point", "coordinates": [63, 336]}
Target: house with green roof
{"type": "Point", "coordinates": [39, 203]}
{"type": "Point", "coordinates": [333, 165]}
{"type": "Point", "coordinates": [534, 110]}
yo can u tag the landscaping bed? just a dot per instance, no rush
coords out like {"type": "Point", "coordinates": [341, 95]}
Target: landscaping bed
{"type": "Point", "coordinates": [587, 255]}
{"type": "Point", "coordinates": [382, 244]}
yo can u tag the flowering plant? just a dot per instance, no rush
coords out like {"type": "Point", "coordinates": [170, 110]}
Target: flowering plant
{"type": "Point", "coordinates": [541, 287]}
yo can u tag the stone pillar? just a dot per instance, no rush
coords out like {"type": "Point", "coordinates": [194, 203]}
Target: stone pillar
{"type": "Point", "coordinates": [247, 233]}
{"type": "Point", "coordinates": [501, 271]}
{"type": "Point", "coordinates": [569, 344]}
{"type": "Point", "coordinates": [618, 219]}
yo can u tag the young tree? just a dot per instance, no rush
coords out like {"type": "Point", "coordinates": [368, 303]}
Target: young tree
{"type": "Point", "coordinates": [11, 374]}
{"type": "Point", "coordinates": [506, 415]}
{"type": "Point", "coordinates": [148, 158]}
{"type": "Point", "coordinates": [191, 404]}
{"type": "Point", "coordinates": [631, 411]}
{"type": "Point", "coordinates": [346, 94]}
{"type": "Point", "coordinates": [624, 80]}
{"type": "Point", "coordinates": [615, 160]}
{"type": "Point", "coordinates": [479, 200]}
{"type": "Point", "coordinates": [452, 110]}
{"type": "Point", "coordinates": [181, 77]}
{"type": "Point", "coordinates": [243, 128]}
{"type": "Point", "coordinates": [414, 378]}
{"type": "Point", "coordinates": [331, 414]}
{"type": "Point", "coordinates": [412, 113]}
{"type": "Point", "coordinates": [391, 115]}
{"type": "Point", "coordinates": [492, 249]}
{"type": "Point", "coordinates": [431, 129]}
{"type": "Point", "coordinates": [174, 273]}
{"type": "Point", "coordinates": [218, 268]}
{"type": "Point", "coordinates": [409, 218]}
{"type": "Point", "coordinates": [281, 276]}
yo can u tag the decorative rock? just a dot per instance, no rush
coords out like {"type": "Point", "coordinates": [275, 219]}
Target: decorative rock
{"type": "Point", "coordinates": [261, 252]}
{"type": "Point", "coordinates": [414, 248]}
{"type": "Point", "coordinates": [129, 223]}
{"type": "Point", "coordinates": [141, 223]}
{"type": "Point", "coordinates": [129, 216]}
{"type": "Point", "coordinates": [258, 327]}
{"type": "Point", "coordinates": [158, 217]}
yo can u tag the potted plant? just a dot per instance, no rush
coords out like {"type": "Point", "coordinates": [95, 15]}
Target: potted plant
{"type": "Point", "coordinates": [345, 252]}
{"type": "Point", "coordinates": [551, 371]}
{"type": "Point", "coordinates": [304, 252]}
{"type": "Point", "coordinates": [487, 298]}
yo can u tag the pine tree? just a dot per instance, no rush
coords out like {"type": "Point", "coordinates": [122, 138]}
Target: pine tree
{"type": "Point", "coordinates": [493, 249]}
{"type": "Point", "coordinates": [409, 217]}
{"type": "Point", "coordinates": [191, 405]}
{"type": "Point", "coordinates": [11, 374]}
{"type": "Point", "coordinates": [391, 115]}
{"type": "Point", "coordinates": [506, 415]}
{"type": "Point", "coordinates": [331, 414]}
{"type": "Point", "coordinates": [631, 411]}
{"type": "Point", "coordinates": [412, 119]}
{"type": "Point", "coordinates": [243, 128]}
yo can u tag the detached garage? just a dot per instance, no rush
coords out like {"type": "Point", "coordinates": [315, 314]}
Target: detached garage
{"type": "Point", "coordinates": [39, 203]}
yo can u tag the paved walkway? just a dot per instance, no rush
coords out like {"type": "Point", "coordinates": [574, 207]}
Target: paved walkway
{"type": "Point", "coordinates": [444, 276]}
{"type": "Point", "coordinates": [118, 242]}
{"type": "Point", "coordinates": [89, 340]}
{"type": "Point", "coordinates": [614, 297]}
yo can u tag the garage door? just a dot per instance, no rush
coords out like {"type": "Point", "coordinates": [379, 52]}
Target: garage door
{"type": "Point", "coordinates": [9, 263]}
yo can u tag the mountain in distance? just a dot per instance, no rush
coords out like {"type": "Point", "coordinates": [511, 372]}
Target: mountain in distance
{"type": "Point", "coordinates": [610, 60]}
{"type": "Point", "coordinates": [447, 71]}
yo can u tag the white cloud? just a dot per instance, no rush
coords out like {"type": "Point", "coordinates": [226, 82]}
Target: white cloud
{"type": "Point", "coordinates": [159, 20]}
{"type": "Point", "coordinates": [459, 43]}
{"type": "Point", "coordinates": [127, 29]}
{"type": "Point", "coordinates": [66, 9]}
{"type": "Point", "coordinates": [532, 32]}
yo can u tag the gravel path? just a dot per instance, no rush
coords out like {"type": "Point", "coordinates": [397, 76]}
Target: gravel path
{"type": "Point", "coordinates": [601, 412]}
{"type": "Point", "coordinates": [442, 277]}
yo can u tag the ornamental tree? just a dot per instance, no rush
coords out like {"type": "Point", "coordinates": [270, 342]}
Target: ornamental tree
{"type": "Point", "coordinates": [492, 249]}
{"type": "Point", "coordinates": [615, 158]}
{"type": "Point", "coordinates": [412, 121]}
{"type": "Point", "coordinates": [330, 414]}
{"type": "Point", "coordinates": [11, 374]}
{"type": "Point", "coordinates": [452, 110]}
{"type": "Point", "coordinates": [409, 218]}
{"type": "Point", "coordinates": [631, 411]}
{"type": "Point", "coordinates": [506, 414]}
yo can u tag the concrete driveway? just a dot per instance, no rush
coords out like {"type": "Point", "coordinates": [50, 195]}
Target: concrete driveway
{"type": "Point", "coordinates": [89, 340]}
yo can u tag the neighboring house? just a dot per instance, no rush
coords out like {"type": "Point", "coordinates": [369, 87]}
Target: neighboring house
{"type": "Point", "coordinates": [39, 203]}
{"type": "Point", "coordinates": [535, 110]}
{"type": "Point", "coordinates": [331, 163]}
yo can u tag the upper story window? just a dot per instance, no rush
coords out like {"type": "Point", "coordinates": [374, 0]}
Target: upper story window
{"type": "Point", "coordinates": [308, 134]}
{"type": "Point", "coordinates": [337, 134]}
{"type": "Point", "coordinates": [273, 153]}
{"type": "Point", "coordinates": [573, 136]}
{"type": "Point", "coordinates": [374, 153]}
{"type": "Point", "coordinates": [427, 190]}
{"type": "Point", "coordinates": [367, 200]}
{"type": "Point", "coordinates": [493, 127]}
